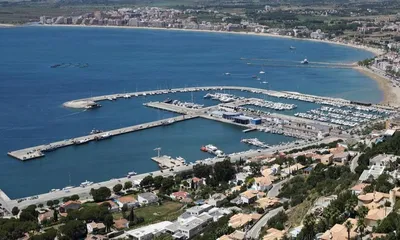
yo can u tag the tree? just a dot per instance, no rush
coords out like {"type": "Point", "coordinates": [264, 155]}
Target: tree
{"type": "Point", "coordinates": [117, 188]}
{"type": "Point", "coordinates": [40, 205]}
{"type": "Point", "coordinates": [75, 197]}
{"type": "Point", "coordinates": [362, 211]}
{"type": "Point", "coordinates": [101, 194]}
{"type": "Point", "coordinates": [147, 181]}
{"type": "Point", "coordinates": [74, 229]}
{"type": "Point", "coordinates": [202, 170]}
{"type": "Point", "coordinates": [15, 211]}
{"type": "Point", "coordinates": [361, 226]}
{"type": "Point", "coordinates": [158, 181]}
{"type": "Point", "coordinates": [56, 202]}
{"type": "Point", "coordinates": [108, 222]}
{"type": "Point", "coordinates": [50, 234]}
{"type": "Point", "coordinates": [50, 203]}
{"type": "Point", "coordinates": [128, 185]}
{"type": "Point", "coordinates": [29, 214]}
{"type": "Point", "coordinates": [66, 199]}
{"type": "Point", "coordinates": [124, 209]}
{"type": "Point", "coordinates": [224, 171]}
{"type": "Point", "coordinates": [167, 184]}
{"type": "Point", "coordinates": [348, 226]}
{"type": "Point", "coordinates": [131, 217]}
{"type": "Point", "coordinates": [55, 215]}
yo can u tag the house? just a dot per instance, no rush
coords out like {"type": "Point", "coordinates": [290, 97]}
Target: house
{"type": "Point", "coordinates": [267, 202]}
{"type": "Point", "coordinates": [274, 234]}
{"type": "Point", "coordinates": [70, 205]}
{"type": "Point", "coordinates": [197, 210]}
{"type": "Point", "coordinates": [197, 182]}
{"type": "Point", "coordinates": [179, 195]}
{"type": "Point", "coordinates": [147, 198]}
{"type": "Point", "coordinates": [375, 171]}
{"type": "Point", "coordinates": [375, 215]}
{"type": "Point", "coordinates": [148, 232]}
{"type": "Point", "coordinates": [358, 189]}
{"type": "Point", "coordinates": [249, 196]}
{"type": "Point", "coordinates": [327, 159]}
{"type": "Point", "coordinates": [236, 235]}
{"type": "Point", "coordinates": [121, 223]}
{"type": "Point", "coordinates": [47, 216]}
{"type": "Point", "coordinates": [308, 170]}
{"type": "Point", "coordinates": [96, 237]}
{"type": "Point", "coordinates": [113, 207]}
{"type": "Point", "coordinates": [340, 158]}
{"type": "Point", "coordinates": [262, 184]}
{"type": "Point", "coordinates": [339, 231]}
{"type": "Point", "coordinates": [239, 220]}
{"type": "Point", "coordinates": [291, 169]}
{"type": "Point", "coordinates": [189, 226]}
{"type": "Point", "coordinates": [241, 177]}
{"type": "Point", "coordinates": [95, 227]}
{"type": "Point", "coordinates": [376, 198]}
{"type": "Point", "coordinates": [217, 199]}
{"type": "Point", "coordinates": [128, 201]}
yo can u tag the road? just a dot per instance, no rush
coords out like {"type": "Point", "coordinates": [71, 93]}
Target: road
{"type": "Point", "coordinates": [274, 191]}
{"type": "Point", "coordinates": [254, 232]}
{"type": "Point", "coordinates": [354, 163]}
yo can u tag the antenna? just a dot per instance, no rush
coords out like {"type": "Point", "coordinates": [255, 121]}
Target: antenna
{"type": "Point", "coordinates": [158, 151]}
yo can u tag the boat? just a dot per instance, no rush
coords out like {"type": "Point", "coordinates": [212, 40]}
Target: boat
{"type": "Point", "coordinates": [305, 61]}
{"type": "Point", "coordinates": [254, 76]}
{"type": "Point", "coordinates": [86, 183]}
{"type": "Point", "coordinates": [82, 141]}
{"type": "Point", "coordinates": [168, 100]}
{"type": "Point", "coordinates": [127, 96]}
{"type": "Point", "coordinates": [262, 72]}
{"type": "Point", "coordinates": [54, 190]}
{"type": "Point", "coordinates": [67, 188]}
{"type": "Point", "coordinates": [292, 48]}
{"type": "Point", "coordinates": [227, 74]}
{"type": "Point", "coordinates": [211, 148]}
{"type": "Point", "coordinates": [181, 159]}
{"type": "Point", "coordinates": [203, 148]}
{"type": "Point", "coordinates": [258, 79]}
{"type": "Point", "coordinates": [95, 131]}
{"type": "Point", "coordinates": [130, 174]}
{"type": "Point", "coordinates": [104, 136]}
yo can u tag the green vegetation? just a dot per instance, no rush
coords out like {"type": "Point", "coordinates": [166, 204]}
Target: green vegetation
{"type": "Point", "coordinates": [101, 194]}
{"type": "Point", "coordinates": [366, 62]}
{"type": "Point", "coordinates": [167, 211]}
{"type": "Point", "coordinates": [216, 229]}
{"type": "Point", "coordinates": [322, 145]}
{"type": "Point", "coordinates": [278, 221]}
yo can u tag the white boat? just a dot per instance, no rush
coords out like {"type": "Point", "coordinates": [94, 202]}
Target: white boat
{"type": "Point", "coordinates": [127, 96]}
{"type": "Point", "coordinates": [211, 148]}
{"type": "Point", "coordinates": [130, 174]}
{"type": "Point", "coordinates": [181, 159]}
{"type": "Point", "coordinates": [105, 136]}
{"type": "Point", "coordinates": [86, 183]}
{"type": "Point", "coordinates": [227, 74]}
{"type": "Point", "coordinates": [55, 190]}
{"type": "Point", "coordinates": [262, 72]}
{"type": "Point", "coordinates": [305, 61]}
{"type": "Point", "coordinates": [67, 188]}
{"type": "Point", "coordinates": [82, 141]}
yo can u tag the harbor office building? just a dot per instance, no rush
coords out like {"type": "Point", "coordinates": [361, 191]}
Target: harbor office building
{"type": "Point", "coordinates": [237, 117]}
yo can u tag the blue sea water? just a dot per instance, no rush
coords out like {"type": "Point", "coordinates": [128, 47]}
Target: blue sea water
{"type": "Point", "coordinates": [32, 93]}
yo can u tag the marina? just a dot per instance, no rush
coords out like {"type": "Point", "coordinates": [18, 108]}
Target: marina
{"type": "Point", "coordinates": [292, 126]}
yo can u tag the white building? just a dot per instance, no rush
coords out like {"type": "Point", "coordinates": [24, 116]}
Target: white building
{"type": "Point", "coordinates": [147, 198]}
{"type": "Point", "coordinates": [148, 232]}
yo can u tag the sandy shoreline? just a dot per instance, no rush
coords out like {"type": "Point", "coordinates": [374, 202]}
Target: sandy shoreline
{"type": "Point", "coordinates": [391, 95]}
{"type": "Point", "coordinates": [4, 25]}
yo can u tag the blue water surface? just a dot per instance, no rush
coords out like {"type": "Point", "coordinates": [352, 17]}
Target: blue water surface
{"type": "Point", "coordinates": [122, 60]}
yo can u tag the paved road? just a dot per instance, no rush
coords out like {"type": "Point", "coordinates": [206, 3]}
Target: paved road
{"type": "Point", "coordinates": [274, 191]}
{"type": "Point", "coordinates": [254, 232]}
{"type": "Point", "coordinates": [354, 163]}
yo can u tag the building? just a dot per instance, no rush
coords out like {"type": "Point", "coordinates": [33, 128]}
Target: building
{"type": "Point", "coordinates": [274, 234]}
{"type": "Point", "coordinates": [249, 196]}
{"type": "Point", "coordinates": [47, 216]}
{"type": "Point", "coordinates": [236, 235]}
{"type": "Point", "coordinates": [375, 215]}
{"type": "Point", "coordinates": [339, 231]}
{"type": "Point", "coordinates": [148, 232]}
{"type": "Point", "coordinates": [113, 207]}
{"type": "Point", "coordinates": [340, 158]}
{"type": "Point", "coordinates": [70, 205]}
{"type": "Point", "coordinates": [95, 227]}
{"type": "Point", "coordinates": [217, 199]}
{"type": "Point", "coordinates": [197, 210]}
{"type": "Point", "coordinates": [197, 182]}
{"type": "Point", "coordinates": [121, 223]}
{"type": "Point", "coordinates": [147, 198]}
{"type": "Point", "coordinates": [375, 171]}
{"type": "Point", "coordinates": [128, 201]}
{"type": "Point", "coordinates": [262, 184]}
{"type": "Point", "coordinates": [240, 220]}
{"type": "Point", "coordinates": [327, 159]}
{"type": "Point", "coordinates": [358, 189]}
{"type": "Point", "coordinates": [179, 195]}
{"type": "Point", "coordinates": [267, 202]}
{"type": "Point", "coordinates": [188, 227]}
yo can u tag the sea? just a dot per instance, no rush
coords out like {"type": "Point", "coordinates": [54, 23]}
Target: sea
{"type": "Point", "coordinates": [97, 61]}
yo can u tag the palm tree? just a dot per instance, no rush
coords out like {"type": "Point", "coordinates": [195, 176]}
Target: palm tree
{"type": "Point", "coordinates": [361, 226]}
{"type": "Point", "coordinates": [348, 226]}
{"type": "Point", "coordinates": [362, 211]}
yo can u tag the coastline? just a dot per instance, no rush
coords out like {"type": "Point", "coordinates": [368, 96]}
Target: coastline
{"type": "Point", "coordinates": [374, 51]}
{"type": "Point", "coordinates": [391, 95]}
{"type": "Point", "coordinates": [5, 25]}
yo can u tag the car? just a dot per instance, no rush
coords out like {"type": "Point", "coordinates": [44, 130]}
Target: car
{"type": "Point", "coordinates": [171, 170]}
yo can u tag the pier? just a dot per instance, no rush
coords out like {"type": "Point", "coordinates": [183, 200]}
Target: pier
{"type": "Point", "coordinates": [38, 151]}
{"type": "Point", "coordinates": [168, 162]}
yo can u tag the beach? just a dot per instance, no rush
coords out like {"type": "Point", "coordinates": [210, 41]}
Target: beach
{"type": "Point", "coordinates": [391, 95]}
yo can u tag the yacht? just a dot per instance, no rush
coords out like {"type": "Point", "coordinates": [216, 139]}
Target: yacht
{"type": "Point", "coordinates": [262, 72]}
{"type": "Point", "coordinates": [305, 61]}
{"type": "Point", "coordinates": [292, 48]}
{"type": "Point", "coordinates": [130, 174]}
{"type": "Point", "coordinates": [86, 183]}
{"type": "Point", "coordinates": [104, 136]}
{"type": "Point", "coordinates": [227, 74]}
{"type": "Point", "coordinates": [82, 141]}
{"type": "Point", "coordinates": [54, 190]}
{"type": "Point", "coordinates": [67, 188]}
{"type": "Point", "coordinates": [181, 159]}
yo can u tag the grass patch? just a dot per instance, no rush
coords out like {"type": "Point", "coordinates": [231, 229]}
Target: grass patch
{"type": "Point", "coordinates": [168, 211]}
{"type": "Point", "coordinates": [298, 212]}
